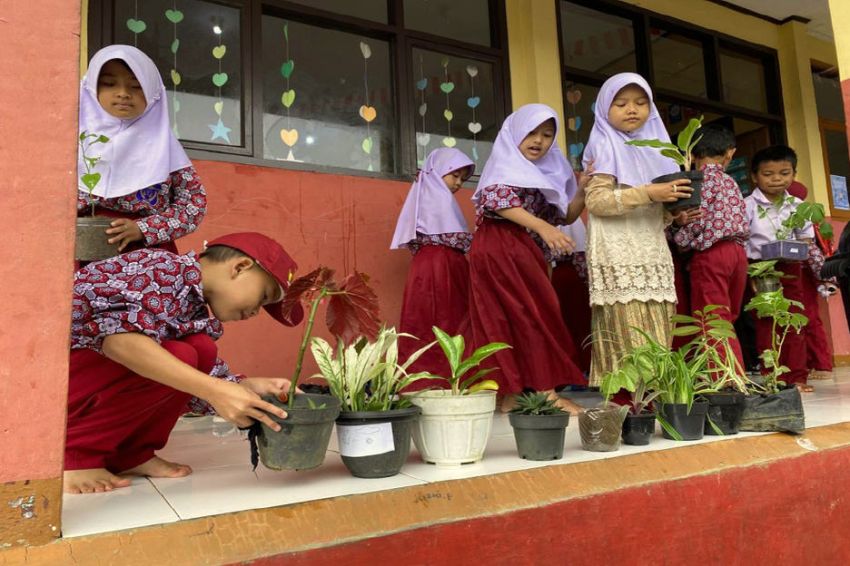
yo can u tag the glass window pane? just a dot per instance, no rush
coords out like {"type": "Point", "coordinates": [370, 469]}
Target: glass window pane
{"type": "Point", "coordinates": [678, 63]}
{"type": "Point", "coordinates": [467, 21]}
{"type": "Point", "coordinates": [328, 97]}
{"type": "Point", "coordinates": [455, 105]}
{"type": "Point", "coordinates": [578, 112]}
{"type": "Point", "coordinates": [375, 10]}
{"type": "Point", "coordinates": [828, 96]}
{"type": "Point", "coordinates": [598, 42]}
{"type": "Point", "coordinates": [197, 49]}
{"type": "Point", "coordinates": [743, 80]}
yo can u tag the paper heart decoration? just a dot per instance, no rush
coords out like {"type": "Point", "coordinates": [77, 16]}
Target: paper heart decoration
{"type": "Point", "coordinates": [423, 108]}
{"type": "Point", "coordinates": [288, 97]}
{"type": "Point", "coordinates": [449, 142]}
{"type": "Point", "coordinates": [472, 70]}
{"type": "Point", "coordinates": [219, 51]}
{"type": "Point", "coordinates": [176, 79]}
{"type": "Point", "coordinates": [176, 109]}
{"type": "Point", "coordinates": [136, 26]}
{"type": "Point", "coordinates": [368, 113]}
{"type": "Point", "coordinates": [473, 101]}
{"type": "Point", "coordinates": [422, 84]}
{"type": "Point", "coordinates": [219, 79]}
{"type": "Point", "coordinates": [218, 106]}
{"type": "Point", "coordinates": [287, 68]}
{"type": "Point", "coordinates": [474, 153]}
{"type": "Point", "coordinates": [573, 96]}
{"type": "Point", "coordinates": [574, 124]}
{"type": "Point", "coordinates": [366, 51]}
{"type": "Point", "coordinates": [175, 45]}
{"type": "Point", "coordinates": [423, 139]}
{"type": "Point", "coordinates": [367, 145]}
{"type": "Point", "coordinates": [448, 114]}
{"type": "Point", "coordinates": [447, 87]}
{"type": "Point", "coordinates": [474, 127]}
{"type": "Point", "coordinates": [593, 107]}
{"type": "Point", "coordinates": [174, 16]}
{"type": "Point", "coordinates": [289, 137]}
{"type": "Point", "coordinates": [576, 149]}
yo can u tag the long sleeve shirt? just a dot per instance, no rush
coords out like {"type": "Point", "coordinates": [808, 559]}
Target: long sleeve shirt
{"type": "Point", "coordinates": [765, 218]}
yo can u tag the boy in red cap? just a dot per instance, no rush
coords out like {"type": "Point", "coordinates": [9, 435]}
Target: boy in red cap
{"type": "Point", "coordinates": [142, 348]}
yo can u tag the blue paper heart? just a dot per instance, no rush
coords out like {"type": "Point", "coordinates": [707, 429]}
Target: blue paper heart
{"type": "Point", "coordinates": [422, 84]}
{"type": "Point", "coordinates": [473, 101]}
{"type": "Point", "coordinates": [578, 123]}
{"type": "Point", "coordinates": [593, 107]}
{"type": "Point", "coordinates": [576, 149]}
{"type": "Point", "coordinates": [474, 153]}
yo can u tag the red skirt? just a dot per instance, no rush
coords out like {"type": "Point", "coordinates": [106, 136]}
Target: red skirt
{"type": "Point", "coordinates": [794, 348]}
{"type": "Point", "coordinates": [436, 294]}
{"type": "Point", "coordinates": [818, 349]}
{"type": "Point", "coordinates": [512, 300]}
{"type": "Point", "coordinates": [574, 298]}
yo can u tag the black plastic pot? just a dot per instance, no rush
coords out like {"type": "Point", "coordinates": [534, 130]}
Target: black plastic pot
{"type": "Point", "coordinates": [782, 412]}
{"type": "Point", "coordinates": [540, 437]}
{"type": "Point", "coordinates": [725, 409]}
{"type": "Point", "coordinates": [378, 465]}
{"type": "Point", "coordinates": [692, 201]}
{"type": "Point", "coordinates": [689, 425]}
{"type": "Point", "coordinates": [638, 429]}
{"type": "Point", "coordinates": [302, 442]}
{"type": "Point", "coordinates": [600, 428]}
{"type": "Point", "coordinates": [90, 243]}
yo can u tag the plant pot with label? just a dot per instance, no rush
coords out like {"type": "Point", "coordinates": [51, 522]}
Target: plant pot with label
{"type": "Point", "coordinates": [375, 444]}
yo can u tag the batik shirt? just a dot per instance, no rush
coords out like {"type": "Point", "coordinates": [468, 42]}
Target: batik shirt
{"type": "Point", "coordinates": [152, 292]}
{"type": "Point", "coordinates": [500, 197]}
{"type": "Point", "coordinates": [167, 211]}
{"type": "Point", "coordinates": [724, 213]}
{"type": "Point", "coordinates": [456, 240]}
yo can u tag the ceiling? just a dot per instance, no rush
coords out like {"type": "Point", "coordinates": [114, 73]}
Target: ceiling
{"type": "Point", "coordinates": [815, 10]}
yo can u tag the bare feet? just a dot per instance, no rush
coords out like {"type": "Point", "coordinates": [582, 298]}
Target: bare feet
{"type": "Point", "coordinates": [820, 374]}
{"type": "Point", "coordinates": [508, 403]}
{"type": "Point", "coordinates": [93, 480]}
{"type": "Point", "coordinates": [565, 404]}
{"type": "Point", "coordinates": [156, 467]}
{"type": "Point", "coordinates": [805, 388]}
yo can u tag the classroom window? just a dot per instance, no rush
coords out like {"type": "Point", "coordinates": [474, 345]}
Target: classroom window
{"type": "Point", "coordinates": [466, 20]}
{"type": "Point", "coordinates": [375, 10]}
{"type": "Point", "coordinates": [596, 41]}
{"type": "Point", "coordinates": [578, 113]}
{"type": "Point", "coordinates": [743, 80]}
{"type": "Point", "coordinates": [678, 63]}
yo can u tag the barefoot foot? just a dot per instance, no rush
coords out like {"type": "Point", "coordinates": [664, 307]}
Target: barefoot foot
{"type": "Point", "coordinates": [93, 480]}
{"type": "Point", "coordinates": [565, 404]}
{"type": "Point", "coordinates": [156, 467]}
{"type": "Point", "coordinates": [820, 374]}
{"type": "Point", "coordinates": [508, 403]}
{"type": "Point", "coordinates": [805, 388]}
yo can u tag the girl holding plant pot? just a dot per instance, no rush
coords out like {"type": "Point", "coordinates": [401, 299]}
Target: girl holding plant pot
{"type": "Point", "coordinates": [629, 263]}
{"type": "Point", "coordinates": [131, 166]}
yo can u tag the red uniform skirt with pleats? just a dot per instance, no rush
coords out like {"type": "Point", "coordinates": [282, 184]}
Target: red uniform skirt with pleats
{"type": "Point", "coordinates": [818, 350]}
{"type": "Point", "coordinates": [574, 298]}
{"type": "Point", "coordinates": [436, 294]}
{"type": "Point", "coordinates": [512, 300]}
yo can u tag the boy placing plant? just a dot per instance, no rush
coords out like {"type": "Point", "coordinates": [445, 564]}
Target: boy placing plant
{"type": "Point", "coordinates": [142, 347]}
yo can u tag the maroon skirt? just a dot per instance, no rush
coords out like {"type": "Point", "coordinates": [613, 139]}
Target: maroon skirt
{"type": "Point", "coordinates": [574, 297]}
{"type": "Point", "coordinates": [436, 294]}
{"type": "Point", "coordinates": [513, 301]}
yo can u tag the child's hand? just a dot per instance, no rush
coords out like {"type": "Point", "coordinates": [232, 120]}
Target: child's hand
{"type": "Point", "coordinates": [687, 216]}
{"type": "Point", "coordinates": [240, 405]}
{"type": "Point", "coordinates": [124, 231]}
{"type": "Point", "coordinates": [584, 176]}
{"type": "Point", "coordinates": [669, 192]}
{"type": "Point", "coordinates": [277, 386]}
{"type": "Point", "coordinates": [557, 241]}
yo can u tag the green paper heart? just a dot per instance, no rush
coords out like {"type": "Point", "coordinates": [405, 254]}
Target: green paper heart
{"type": "Point", "coordinates": [219, 79]}
{"type": "Point", "coordinates": [288, 97]}
{"type": "Point", "coordinates": [175, 45]}
{"type": "Point", "coordinates": [219, 51]}
{"type": "Point", "coordinates": [176, 109]}
{"type": "Point", "coordinates": [367, 145]}
{"type": "Point", "coordinates": [174, 16]}
{"type": "Point", "coordinates": [287, 68]}
{"type": "Point", "coordinates": [90, 180]}
{"type": "Point", "coordinates": [136, 26]}
{"type": "Point", "coordinates": [447, 87]}
{"type": "Point", "coordinates": [176, 79]}
{"type": "Point", "coordinates": [448, 114]}
{"type": "Point", "coordinates": [449, 142]}
{"type": "Point", "coordinates": [218, 107]}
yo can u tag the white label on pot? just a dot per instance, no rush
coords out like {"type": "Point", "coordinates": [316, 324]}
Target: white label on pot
{"type": "Point", "coordinates": [365, 440]}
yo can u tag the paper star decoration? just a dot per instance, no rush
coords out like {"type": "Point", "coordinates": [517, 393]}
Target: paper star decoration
{"type": "Point", "coordinates": [220, 131]}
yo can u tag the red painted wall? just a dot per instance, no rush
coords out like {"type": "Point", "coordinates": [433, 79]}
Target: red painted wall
{"type": "Point", "coordinates": [344, 222]}
{"type": "Point", "coordinates": [39, 66]}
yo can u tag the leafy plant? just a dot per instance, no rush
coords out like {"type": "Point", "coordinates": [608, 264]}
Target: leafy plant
{"type": "Point", "coordinates": [366, 376]}
{"type": "Point", "coordinates": [453, 347]}
{"type": "Point", "coordinates": [352, 309]}
{"type": "Point", "coordinates": [777, 307]}
{"type": "Point", "coordinates": [536, 403]}
{"type": "Point", "coordinates": [765, 269]}
{"type": "Point", "coordinates": [804, 213]}
{"type": "Point", "coordinates": [628, 376]}
{"type": "Point", "coordinates": [680, 152]}
{"type": "Point", "coordinates": [90, 178]}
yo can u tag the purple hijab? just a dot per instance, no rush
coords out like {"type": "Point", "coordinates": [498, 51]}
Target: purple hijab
{"type": "Point", "coordinates": [551, 174]}
{"type": "Point", "coordinates": [607, 147]}
{"type": "Point", "coordinates": [141, 152]}
{"type": "Point", "coordinates": [431, 207]}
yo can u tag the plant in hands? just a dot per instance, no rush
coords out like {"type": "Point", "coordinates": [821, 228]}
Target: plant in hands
{"type": "Point", "coordinates": [765, 269]}
{"type": "Point", "coordinates": [777, 307]}
{"type": "Point", "coordinates": [805, 213]}
{"type": "Point", "coordinates": [680, 152]}
{"type": "Point", "coordinates": [352, 310]}
{"type": "Point", "coordinates": [453, 347]}
{"type": "Point", "coordinates": [90, 178]}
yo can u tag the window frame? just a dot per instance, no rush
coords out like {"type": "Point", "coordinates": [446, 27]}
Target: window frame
{"type": "Point", "coordinates": [824, 125]}
{"type": "Point", "coordinates": [401, 42]}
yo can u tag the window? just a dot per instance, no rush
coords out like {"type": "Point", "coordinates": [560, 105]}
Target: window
{"type": "Point", "coordinates": [678, 63]}
{"type": "Point", "coordinates": [743, 80]}
{"type": "Point", "coordinates": [578, 112]}
{"type": "Point", "coordinates": [368, 86]}
{"type": "Point", "coordinates": [830, 105]}
{"type": "Point", "coordinates": [595, 41]}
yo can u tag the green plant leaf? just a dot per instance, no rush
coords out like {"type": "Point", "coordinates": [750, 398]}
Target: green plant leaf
{"type": "Point", "coordinates": [469, 381]}
{"type": "Point", "coordinates": [486, 385]}
{"type": "Point", "coordinates": [90, 180]}
{"type": "Point", "coordinates": [674, 155]}
{"type": "Point", "coordinates": [450, 348]}
{"type": "Point", "coordinates": [657, 144]}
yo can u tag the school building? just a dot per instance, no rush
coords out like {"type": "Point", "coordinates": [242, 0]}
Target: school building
{"type": "Point", "coordinates": [306, 120]}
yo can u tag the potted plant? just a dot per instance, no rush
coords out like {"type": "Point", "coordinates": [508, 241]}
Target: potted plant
{"type": "Point", "coordinates": [680, 153]}
{"type": "Point", "coordinates": [765, 276]}
{"type": "Point", "coordinates": [786, 246]}
{"type": "Point", "coordinates": [539, 427]}
{"type": "Point", "coordinates": [775, 407]}
{"type": "Point", "coordinates": [375, 424]}
{"type": "Point", "coordinates": [455, 423]}
{"type": "Point", "coordinates": [91, 240]}
{"type": "Point", "coordinates": [352, 311]}
{"type": "Point", "coordinates": [639, 422]}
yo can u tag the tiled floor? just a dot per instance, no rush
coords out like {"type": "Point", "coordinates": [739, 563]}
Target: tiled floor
{"type": "Point", "coordinates": [223, 482]}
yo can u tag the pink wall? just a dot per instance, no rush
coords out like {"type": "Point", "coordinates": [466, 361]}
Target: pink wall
{"type": "Point", "coordinates": [39, 65]}
{"type": "Point", "coordinates": [832, 311]}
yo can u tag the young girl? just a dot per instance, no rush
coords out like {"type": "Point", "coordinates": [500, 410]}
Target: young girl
{"type": "Point", "coordinates": [526, 187]}
{"type": "Point", "coordinates": [431, 225]}
{"type": "Point", "coordinates": [629, 263]}
{"type": "Point", "coordinates": [147, 180]}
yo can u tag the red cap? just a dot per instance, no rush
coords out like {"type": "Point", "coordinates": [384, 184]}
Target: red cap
{"type": "Point", "coordinates": [273, 259]}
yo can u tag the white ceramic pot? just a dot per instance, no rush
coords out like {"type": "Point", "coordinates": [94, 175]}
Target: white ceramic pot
{"type": "Point", "coordinates": [453, 429]}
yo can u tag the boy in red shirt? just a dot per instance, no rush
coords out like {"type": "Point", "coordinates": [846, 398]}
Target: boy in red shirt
{"type": "Point", "coordinates": [142, 348]}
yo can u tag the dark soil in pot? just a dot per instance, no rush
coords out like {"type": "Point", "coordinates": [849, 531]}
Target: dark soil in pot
{"type": "Point", "coordinates": [692, 201]}
{"type": "Point", "coordinates": [540, 437]}
{"type": "Point", "coordinates": [689, 425]}
{"type": "Point", "coordinates": [638, 429]}
{"type": "Point", "coordinates": [725, 409]}
{"type": "Point", "coordinates": [600, 428]}
{"type": "Point", "coordinates": [303, 439]}
{"type": "Point", "coordinates": [90, 244]}
{"type": "Point", "coordinates": [363, 433]}
{"type": "Point", "coordinates": [780, 412]}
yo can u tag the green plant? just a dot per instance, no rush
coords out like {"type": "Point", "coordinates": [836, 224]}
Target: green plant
{"type": "Point", "coordinates": [804, 213]}
{"type": "Point", "coordinates": [453, 347]}
{"type": "Point", "coordinates": [366, 375]}
{"type": "Point", "coordinates": [90, 178]}
{"type": "Point", "coordinates": [536, 403]}
{"type": "Point", "coordinates": [777, 307]}
{"type": "Point", "coordinates": [765, 269]}
{"type": "Point", "coordinates": [352, 310]}
{"type": "Point", "coordinates": [680, 152]}
{"type": "Point", "coordinates": [628, 376]}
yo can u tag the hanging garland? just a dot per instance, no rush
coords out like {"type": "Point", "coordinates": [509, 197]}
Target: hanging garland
{"type": "Point", "coordinates": [422, 137]}
{"type": "Point", "coordinates": [473, 102]}
{"type": "Point", "coordinates": [174, 16]}
{"type": "Point", "coordinates": [367, 112]}
{"type": "Point", "coordinates": [135, 24]}
{"type": "Point", "coordinates": [219, 79]}
{"type": "Point", "coordinates": [447, 87]}
{"type": "Point", "coordinates": [288, 135]}
{"type": "Point", "coordinates": [574, 125]}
